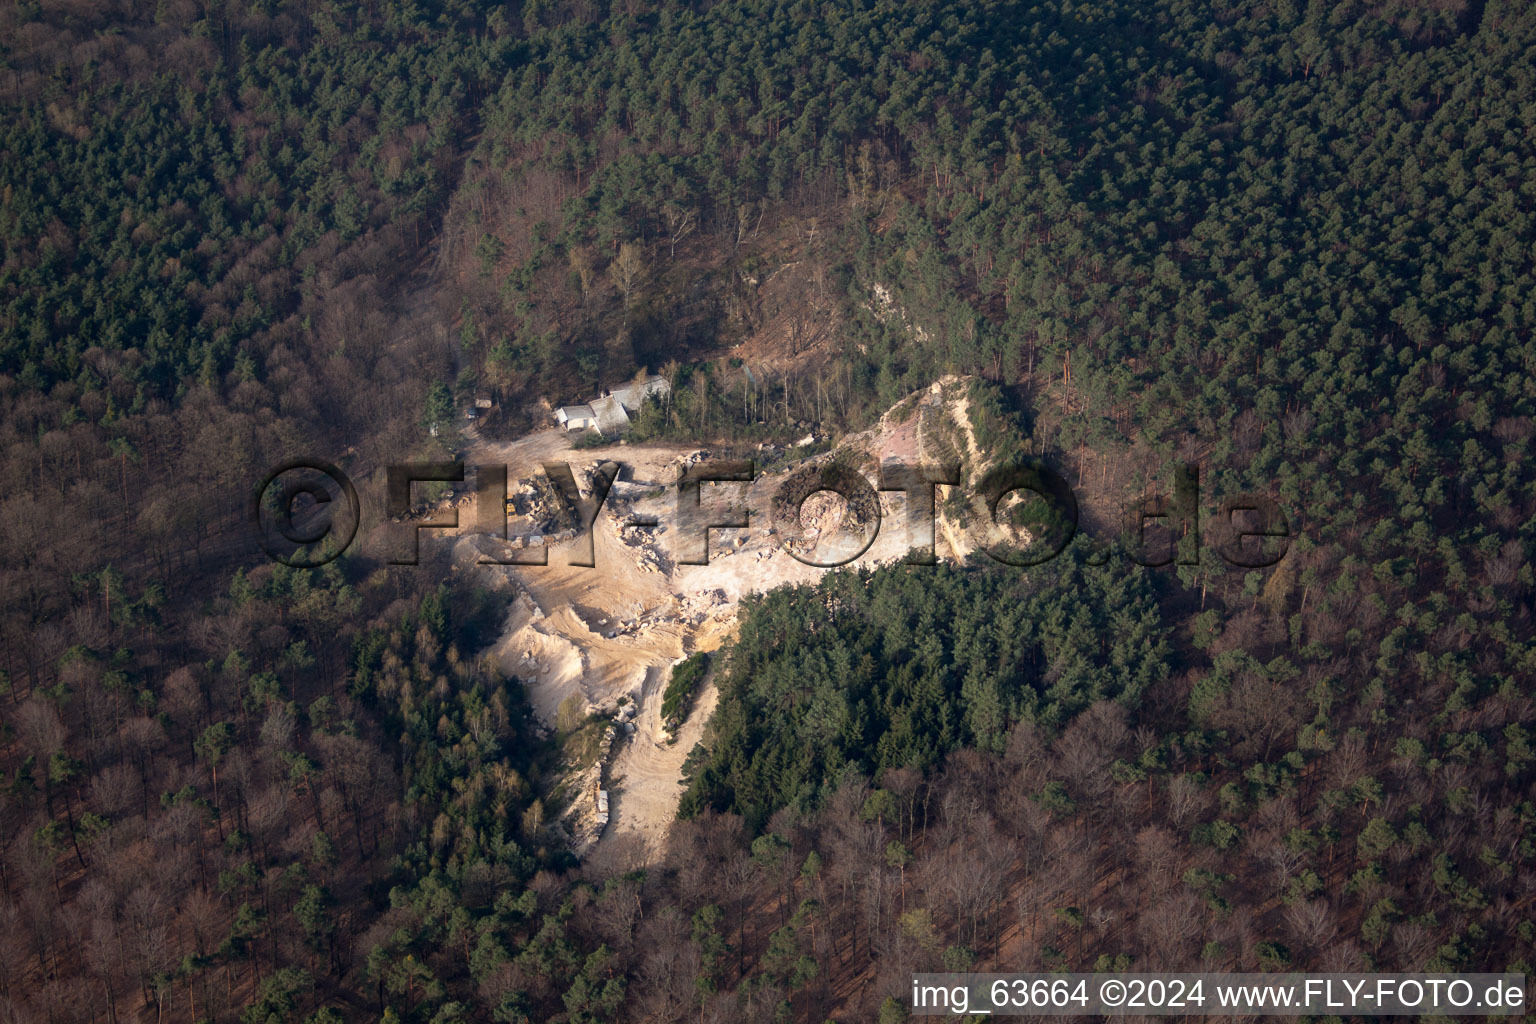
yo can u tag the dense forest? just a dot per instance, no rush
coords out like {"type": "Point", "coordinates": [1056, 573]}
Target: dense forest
{"type": "Point", "coordinates": [1290, 243]}
{"type": "Point", "coordinates": [874, 672]}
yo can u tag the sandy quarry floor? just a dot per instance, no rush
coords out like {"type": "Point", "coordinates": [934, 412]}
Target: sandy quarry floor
{"type": "Point", "coordinates": [615, 630]}
{"type": "Point", "coordinates": [644, 780]}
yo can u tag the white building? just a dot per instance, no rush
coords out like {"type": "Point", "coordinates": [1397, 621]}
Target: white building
{"type": "Point", "coordinates": [576, 417]}
{"type": "Point", "coordinates": [609, 415]}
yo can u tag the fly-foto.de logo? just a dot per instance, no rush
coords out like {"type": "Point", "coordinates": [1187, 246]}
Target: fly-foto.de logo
{"type": "Point", "coordinates": [306, 512]}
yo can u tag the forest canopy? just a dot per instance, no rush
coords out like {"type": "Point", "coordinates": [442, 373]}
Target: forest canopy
{"type": "Point", "coordinates": [893, 668]}
{"type": "Point", "coordinates": [1287, 242]}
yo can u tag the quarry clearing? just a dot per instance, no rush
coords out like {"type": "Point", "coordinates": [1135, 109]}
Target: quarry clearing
{"type": "Point", "coordinates": [613, 631]}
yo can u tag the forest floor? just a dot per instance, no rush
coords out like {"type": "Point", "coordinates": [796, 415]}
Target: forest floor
{"type": "Point", "coordinates": [613, 631]}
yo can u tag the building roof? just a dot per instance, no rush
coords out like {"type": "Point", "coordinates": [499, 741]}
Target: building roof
{"type": "Point", "coordinates": [632, 397]}
{"type": "Point", "coordinates": [610, 415]}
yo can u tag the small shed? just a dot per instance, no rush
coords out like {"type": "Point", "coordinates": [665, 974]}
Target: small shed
{"type": "Point", "coordinates": [576, 417]}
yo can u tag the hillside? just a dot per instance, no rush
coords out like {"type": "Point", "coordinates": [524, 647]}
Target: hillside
{"type": "Point", "coordinates": [1286, 248]}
